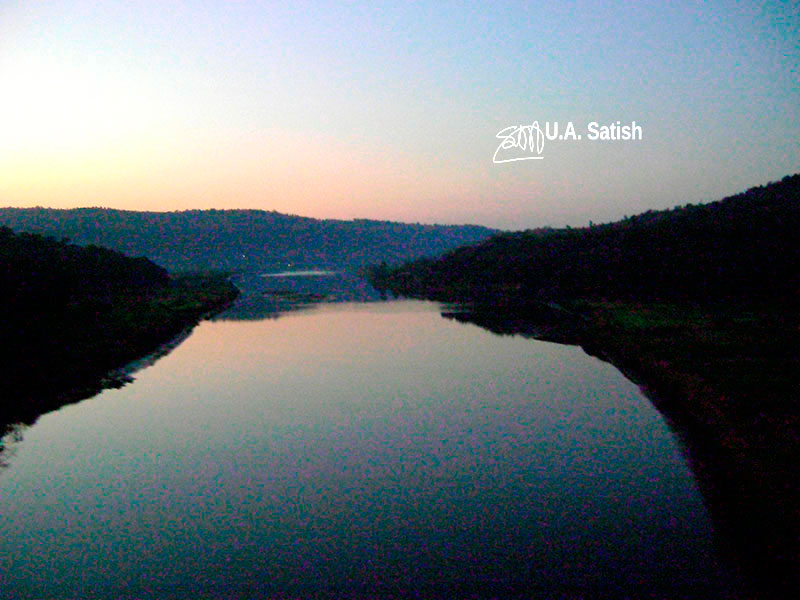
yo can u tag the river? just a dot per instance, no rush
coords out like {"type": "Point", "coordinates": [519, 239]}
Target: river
{"type": "Point", "coordinates": [357, 450]}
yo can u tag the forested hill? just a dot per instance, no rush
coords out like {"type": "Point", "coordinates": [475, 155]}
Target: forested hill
{"type": "Point", "coordinates": [243, 239]}
{"type": "Point", "coordinates": [745, 247]}
{"type": "Point", "coordinates": [39, 273]}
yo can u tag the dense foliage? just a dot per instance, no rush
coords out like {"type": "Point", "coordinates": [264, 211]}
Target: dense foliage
{"type": "Point", "coordinates": [69, 315]}
{"type": "Point", "coordinates": [38, 272]}
{"type": "Point", "coordinates": [743, 247]}
{"type": "Point", "coordinates": [243, 239]}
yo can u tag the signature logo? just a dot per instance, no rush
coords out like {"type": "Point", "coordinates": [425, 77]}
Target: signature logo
{"type": "Point", "coordinates": [520, 142]}
{"type": "Point", "coordinates": [526, 142]}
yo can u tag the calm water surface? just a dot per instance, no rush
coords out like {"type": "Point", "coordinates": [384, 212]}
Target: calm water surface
{"type": "Point", "coordinates": [356, 450]}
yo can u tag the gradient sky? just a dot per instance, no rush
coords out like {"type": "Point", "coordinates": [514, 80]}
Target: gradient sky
{"type": "Point", "coordinates": [391, 110]}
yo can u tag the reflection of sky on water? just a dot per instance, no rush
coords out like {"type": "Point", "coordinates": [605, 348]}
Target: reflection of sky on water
{"type": "Point", "coordinates": [376, 446]}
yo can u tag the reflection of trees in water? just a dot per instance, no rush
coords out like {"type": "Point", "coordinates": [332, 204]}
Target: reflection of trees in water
{"type": "Point", "coordinates": [8, 443]}
{"type": "Point", "coordinates": [751, 530]}
{"type": "Point", "coordinates": [260, 307]}
{"type": "Point", "coordinates": [534, 321]}
{"type": "Point", "coordinates": [269, 297]}
{"type": "Point", "coordinates": [36, 394]}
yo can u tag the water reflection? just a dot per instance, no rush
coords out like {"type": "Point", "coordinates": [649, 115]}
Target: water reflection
{"type": "Point", "coordinates": [750, 526]}
{"type": "Point", "coordinates": [27, 398]}
{"type": "Point", "coordinates": [270, 295]}
{"type": "Point", "coordinates": [368, 450]}
{"type": "Point", "coordinates": [28, 394]}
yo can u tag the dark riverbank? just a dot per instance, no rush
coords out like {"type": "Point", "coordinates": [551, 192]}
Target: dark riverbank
{"type": "Point", "coordinates": [727, 379]}
{"type": "Point", "coordinates": [74, 349]}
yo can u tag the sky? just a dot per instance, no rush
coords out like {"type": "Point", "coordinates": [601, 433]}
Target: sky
{"type": "Point", "coordinates": [393, 110]}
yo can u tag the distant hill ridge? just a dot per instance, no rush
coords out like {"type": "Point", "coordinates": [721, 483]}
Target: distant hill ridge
{"type": "Point", "coordinates": [243, 239]}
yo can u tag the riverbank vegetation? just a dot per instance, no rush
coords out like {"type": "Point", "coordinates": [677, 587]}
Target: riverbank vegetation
{"type": "Point", "coordinates": [72, 316]}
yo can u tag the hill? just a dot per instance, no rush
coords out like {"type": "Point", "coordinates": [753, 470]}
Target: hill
{"type": "Point", "coordinates": [243, 240]}
{"type": "Point", "coordinates": [745, 247]}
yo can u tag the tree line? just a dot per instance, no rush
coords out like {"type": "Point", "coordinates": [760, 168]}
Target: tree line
{"type": "Point", "coordinates": [745, 247]}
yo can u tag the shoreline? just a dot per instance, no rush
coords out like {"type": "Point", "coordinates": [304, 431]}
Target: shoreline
{"type": "Point", "coordinates": [741, 452]}
{"type": "Point", "coordinates": [90, 354]}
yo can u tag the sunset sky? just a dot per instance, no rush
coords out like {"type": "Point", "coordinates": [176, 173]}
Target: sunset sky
{"type": "Point", "coordinates": [391, 110]}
